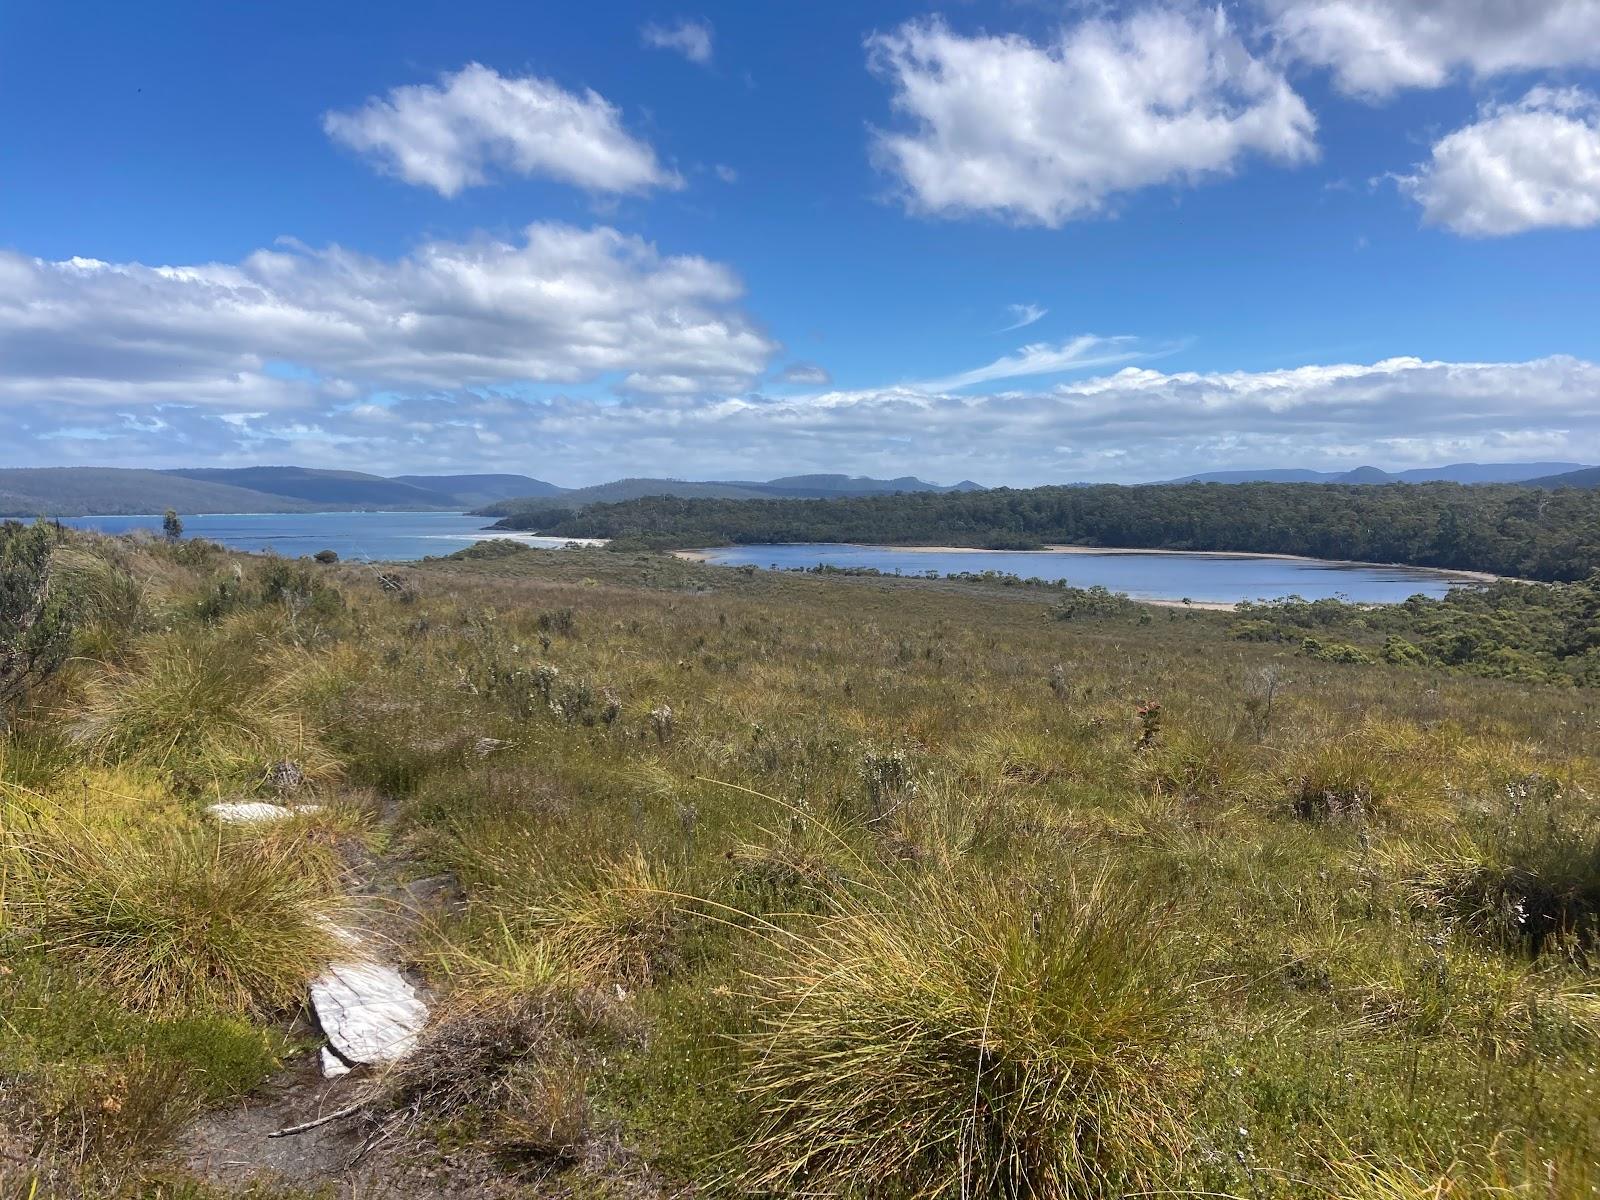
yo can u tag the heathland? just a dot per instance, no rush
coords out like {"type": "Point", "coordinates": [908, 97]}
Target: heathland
{"type": "Point", "coordinates": [722, 882]}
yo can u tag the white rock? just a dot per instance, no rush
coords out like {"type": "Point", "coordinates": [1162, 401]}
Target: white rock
{"type": "Point", "coordinates": [250, 812]}
{"type": "Point", "coordinates": [368, 1011]}
{"type": "Point", "coordinates": [332, 1065]}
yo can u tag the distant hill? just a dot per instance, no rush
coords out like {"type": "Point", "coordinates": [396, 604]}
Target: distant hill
{"type": "Point", "coordinates": [788, 487]}
{"type": "Point", "coordinates": [822, 487]}
{"type": "Point", "coordinates": [1587, 477]}
{"type": "Point", "coordinates": [340, 489]}
{"type": "Point", "coordinates": [469, 491]}
{"type": "Point", "coordinates": [113, 491]}
{"type": "Point", "coordinates": [1454, 473]}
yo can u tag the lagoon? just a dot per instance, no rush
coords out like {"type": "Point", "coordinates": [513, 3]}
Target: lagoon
{"type": "Point", "coordinates": [1154, 575]}
{"type": "Point", "coordinates": [357, 536]}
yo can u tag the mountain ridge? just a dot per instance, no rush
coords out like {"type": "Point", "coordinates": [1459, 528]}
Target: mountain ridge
{"type": "Point", "coordinates": [1462, 472]}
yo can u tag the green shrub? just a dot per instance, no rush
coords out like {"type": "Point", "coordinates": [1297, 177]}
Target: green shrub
{"type": "Point", "coordinates": [1335, 652]}
{"type": "Point", "coordinates": [35, 616]}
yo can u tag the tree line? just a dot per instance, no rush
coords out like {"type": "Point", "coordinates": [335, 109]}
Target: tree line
{"type": "Point", "coordinates": [1504, 529]}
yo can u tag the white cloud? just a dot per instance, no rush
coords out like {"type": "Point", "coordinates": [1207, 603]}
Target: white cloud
{"type": "Point", "coordinates": [474, 122]}
{"type": "Point", "coordinates": [1376, 47]}
{"type": "Point", "coordinates": [692, 39]}
{"type": "Point", "coordinates": [1043, 134]}
{"type": "Point", "coordinates": [1534, 164]}
{"type": "Point", "coordinates": [1041, 358]}
{"type": "Point", "coordinates": [300, 328]}
{"type": "Point", "coordinates": [1023, 315]}
{"type": "Point", "coordinates": [1132, 425]}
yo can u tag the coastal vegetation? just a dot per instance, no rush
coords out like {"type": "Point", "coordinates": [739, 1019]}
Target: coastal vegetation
{"type": "Point", "coordinates": [1529, 533]}
{"type": "Point", "coordinates": [728, 883]}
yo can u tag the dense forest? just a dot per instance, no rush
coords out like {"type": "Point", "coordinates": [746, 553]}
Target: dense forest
{"type": "Point", "coordinates": [1507, 530]}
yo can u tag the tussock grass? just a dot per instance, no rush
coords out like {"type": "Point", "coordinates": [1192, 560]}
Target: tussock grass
{"type": "Point", "coordinates": [1524, 871]}
{"type": "Point", "coordinates": [183, 918]}
{"type": "Point", "coordinates": [1357, 778]}
{"type": "Point", "coordinates": [965, 1039]}
{"type": "Point", "coordinates": [621, 920]}
{"type": "Point", "coordinates": [207, 709]}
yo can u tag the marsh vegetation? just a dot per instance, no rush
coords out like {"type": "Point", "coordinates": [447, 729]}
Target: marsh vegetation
{"type": "Point", "coordinates": [777, 884]}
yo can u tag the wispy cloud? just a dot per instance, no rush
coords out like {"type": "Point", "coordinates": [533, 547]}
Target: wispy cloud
{"type": "Point", "coordinates": [805, 373]}
{"type": "Point", "coordinates": [1023, 315]}
{"type": "Point", "coordinates": [690, 38]}
{"type": "Point", "coordinates": [1042, 358]}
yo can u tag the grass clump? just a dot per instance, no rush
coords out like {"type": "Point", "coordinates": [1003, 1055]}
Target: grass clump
{"type": "Point", "coordinates": [968, 1039]}
{"type": "Point", "coordinates": [207, 709]}
{"type": "Point", "coordinates": [181, 918]}
{"type": "Point", "coordinates": [1525, 872]}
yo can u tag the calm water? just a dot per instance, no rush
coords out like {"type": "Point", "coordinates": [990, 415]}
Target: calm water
{"type": "Point", "coordinates": [1206, 578]}
{"type": "Point", "coordinates": [383, 536]}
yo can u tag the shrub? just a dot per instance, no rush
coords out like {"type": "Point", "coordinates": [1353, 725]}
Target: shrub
{"type": "Point", "coordinates": [180, 919]}
{"type": "Point", "coordinates": [35, 618]}
{"type": "Point", "coordinates": [1094, 602]}
{"type": "Point", "coordinates": [968, 1039]}
{"type": "Point", "coordinates": [1335, 652]}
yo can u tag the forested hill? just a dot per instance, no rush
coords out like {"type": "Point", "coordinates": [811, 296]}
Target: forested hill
{"type": "Point", "coordinates": [1508, 530]}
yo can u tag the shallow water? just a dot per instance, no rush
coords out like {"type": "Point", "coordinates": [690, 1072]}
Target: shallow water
{"type": "Point", "coordinates": [1145, 575]}
{"type": "Point", "coordinates": [361, 536]}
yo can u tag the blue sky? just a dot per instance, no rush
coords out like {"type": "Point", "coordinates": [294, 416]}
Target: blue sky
{"type": "Point", "coordinates": [1017, 242]}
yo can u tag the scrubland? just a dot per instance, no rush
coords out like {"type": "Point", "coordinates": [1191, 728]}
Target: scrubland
{"type": "Point", "coordinates": [787, 885]}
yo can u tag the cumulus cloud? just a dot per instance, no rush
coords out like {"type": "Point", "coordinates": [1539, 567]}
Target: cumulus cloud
{"type": "Point", "coordinates": [692, 39]}
{"type": "Point", "coordinates": [806, 373]}
{"type": "Point", "coordinates": [1534, 164]}
{"type": "Point", "coordinates": [475, 122]}
{"type": "Point", "coordinates": [1044, 134]}
{"type": "Point", "coordinates": [1377, 47]}
{"type": "Point", "coordinates": [1131, 425]}
{"type": "Point", "coordinates": [296, 328]}
{"type": "Point", "coordinates": [1023, 315]}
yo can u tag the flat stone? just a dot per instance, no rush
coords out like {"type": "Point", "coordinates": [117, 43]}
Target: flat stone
{"type": "Point", "coordinates": [252, 812]}
{"type": "Point", "coordinates": [249, 812]}
{"type": "Point", "coordinates": [368, 1011]}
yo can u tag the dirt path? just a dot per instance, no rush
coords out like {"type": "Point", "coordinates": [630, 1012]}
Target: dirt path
{"type": "Point", "coordinates": [356, 1154]}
